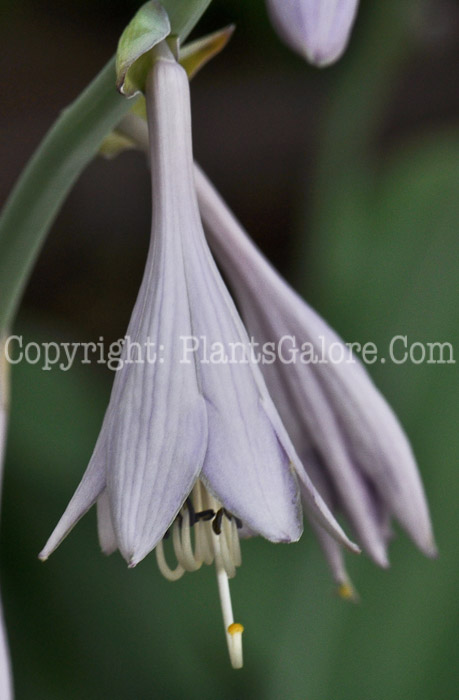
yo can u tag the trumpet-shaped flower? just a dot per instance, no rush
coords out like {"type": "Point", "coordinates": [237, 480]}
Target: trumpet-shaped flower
{"type": "Point", "coordinates": [317, 29]}
{"type": "Point", "coordinates": [5, 673]}
{"type": "Point", "coordinates": [347, 436]}
{"type": "Point", "coordinates": [189, 443]}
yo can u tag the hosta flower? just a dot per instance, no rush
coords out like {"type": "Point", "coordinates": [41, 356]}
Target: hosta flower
{"type": "Point", "coordinates": [5, 674]}
{"type": "Point", "coordinates": [347, 436]}
{"type": "Point", "coordinates": [317, 29]}
{"type": "Point", "coordinates": [189, 442]}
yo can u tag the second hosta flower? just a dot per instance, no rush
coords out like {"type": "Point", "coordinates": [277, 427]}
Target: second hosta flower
{"type": "Point", "coordinates": [187, 443]}
{"type": "Point", "coordinates": [346, 434]}
{"type": "Point", "coordinates": [316, 29]}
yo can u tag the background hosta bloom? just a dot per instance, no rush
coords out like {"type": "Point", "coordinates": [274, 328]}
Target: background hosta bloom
{"type": "Point", "coordinates": [187, 443]}
{"type": "Point", "coordinates": [344, 431]}
{"type": "Point", "coordinates": [317, 29]}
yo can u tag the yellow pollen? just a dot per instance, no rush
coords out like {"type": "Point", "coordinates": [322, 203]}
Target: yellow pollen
{"type": "Point", "coordinates": [346, 591]}
{"type": "Point", "coordinates": [235, 628]}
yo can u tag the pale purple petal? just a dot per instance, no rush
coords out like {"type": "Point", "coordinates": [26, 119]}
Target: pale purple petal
{"type": "Point", "coordinates": [107, 537]}
{"type": "Point", "coordinates": [87, 493]}
{"type": "Point", "coordinates": [157, 436]}
{"type": "Point", "coordinates": [335, 405]}
{"type": "Point", "coordinates": [317, 29]}
{"type": "Point", "coordinates": [307, 405]}
{"type": "Point", "coordinates": [153, 440]}
{"type": "Point", "coordinates": [332, 551]}
{"type": "Point", "coordinates": [314, 505]}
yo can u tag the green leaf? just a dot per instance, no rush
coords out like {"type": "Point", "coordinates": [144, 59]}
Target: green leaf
{"type": "Point", "coordinates": [148, 27]}
{"type": "Point", "coordinates": [184, 15]}
{"type": "Point", "coordinates": [35, 201]}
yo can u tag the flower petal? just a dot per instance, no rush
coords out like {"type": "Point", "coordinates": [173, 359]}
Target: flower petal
{"type": "Point", "coordinates": [314, 505]}
{"type": "Point", "coordinates": [332, 550]}
{"type": "Point", "coordinates": [317, 29]}
{"type": "Point", "coordinates": [87, 493]}
{"type": "Point", "coordinates": [158, 431]}
{"type": "Point", "coordinates": [334, 403]}
{"type": "Point", "coordinates": [107, 537]}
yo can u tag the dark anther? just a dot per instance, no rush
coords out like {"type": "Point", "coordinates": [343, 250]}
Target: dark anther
{"type": "Point", "coordinates": [217, 523]}
{"type": "Point", "coordinates": [230, 517]}
{"type": "Point", "coordinates": [191, 511]}
{"type": "Point", "coordinates": [204, 515]}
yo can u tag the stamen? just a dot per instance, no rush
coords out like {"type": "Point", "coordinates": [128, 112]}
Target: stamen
{"type": "Point", "coordinates": [190, 562]}
{"type": "Point", "coordinates": [217, 522]}
{"type": "Point", "coordinates": [205, 514]}
{"type": "Point", "coordinates": [203, 538]}
{"type": "Point", "coordinates": [216, 539]}
{"type": "Point", "coordinates": [235, 544]}
{"type": "Point", "coordinates": [167, 572]}
{"type": "Point", "coordinates": [191, 511]}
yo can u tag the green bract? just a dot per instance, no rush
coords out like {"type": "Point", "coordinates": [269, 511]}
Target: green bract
{"type": "Point", "coordinates": [147, 28]}
{"type": "Point", "coordinates": [197, 53]}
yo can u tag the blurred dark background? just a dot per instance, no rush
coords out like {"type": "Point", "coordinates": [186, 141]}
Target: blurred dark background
{"type": "Point", "coordinates": [347, 178]}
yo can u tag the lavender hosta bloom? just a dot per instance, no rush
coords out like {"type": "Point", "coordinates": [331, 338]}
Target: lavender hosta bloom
{"type": "Point", "coordinates": [344, 431]}
{"type": "Point", "coordinates": [187, 443]}
{"type": "Point", "coordinates": [317, 29]}
{"type": "Point", "coordinates": [6, 692]}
